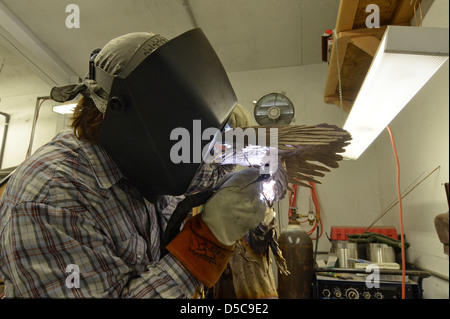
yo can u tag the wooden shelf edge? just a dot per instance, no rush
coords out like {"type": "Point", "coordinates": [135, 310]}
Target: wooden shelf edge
{"type": "Point", "coordinates": [365, 39]}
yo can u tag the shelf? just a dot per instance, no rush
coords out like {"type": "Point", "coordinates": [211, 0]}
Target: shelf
{"type": "Point", "coordinates": [357, 45]}
{"type": "Point", "coordinates": [418, 273]}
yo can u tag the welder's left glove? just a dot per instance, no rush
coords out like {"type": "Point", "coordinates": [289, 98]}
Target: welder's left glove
{"type": "Point", "coordinates": [206, 242]}
{"type": "Point", "coordinates": [236, 207]}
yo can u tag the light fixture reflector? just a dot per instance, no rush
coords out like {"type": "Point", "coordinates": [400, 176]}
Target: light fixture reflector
{"type": "Point", "coordinates": [394, 78]}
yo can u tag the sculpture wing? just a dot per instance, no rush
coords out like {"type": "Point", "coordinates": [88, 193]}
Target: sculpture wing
{"type": "Point", "coordinates": [305, 152]}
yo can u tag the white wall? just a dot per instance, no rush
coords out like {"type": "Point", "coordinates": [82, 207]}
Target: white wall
{"type": "Point", "coordinates": [421, 136]}
{"type": "Point", "coordinates": [21, 109]}
{"type": "Point", "coordinates": [348, 195]}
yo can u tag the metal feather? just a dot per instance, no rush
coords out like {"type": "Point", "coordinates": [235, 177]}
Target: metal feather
{"type": "Point", "coordinates": [305, 152]}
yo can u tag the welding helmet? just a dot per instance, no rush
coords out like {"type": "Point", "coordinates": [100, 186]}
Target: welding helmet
{"type": "Point", "coordinates": [166, 85]}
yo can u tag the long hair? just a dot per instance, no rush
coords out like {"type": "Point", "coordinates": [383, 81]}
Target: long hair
{"type": "Point", "coordinates": [87, 121]}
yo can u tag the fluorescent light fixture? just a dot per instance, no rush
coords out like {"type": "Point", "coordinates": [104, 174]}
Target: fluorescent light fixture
{"type": "Point", "coordinates": [406, 59]}
{"type": "Point", "coordinates": [64, 108]}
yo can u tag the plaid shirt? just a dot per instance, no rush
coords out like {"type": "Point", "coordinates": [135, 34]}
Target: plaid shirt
{"type": "Point", "coordinates": [69, 206]}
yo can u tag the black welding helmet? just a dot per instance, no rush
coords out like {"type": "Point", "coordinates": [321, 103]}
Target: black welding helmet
{"type": "Point", "coordinates": [166, 86]}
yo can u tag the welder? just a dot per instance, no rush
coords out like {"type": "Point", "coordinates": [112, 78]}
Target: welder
{"type": "Point", "coordinates": [97, 200]}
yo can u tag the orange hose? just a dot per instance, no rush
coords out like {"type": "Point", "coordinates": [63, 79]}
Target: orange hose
{"type": "Point", "coordinates": [317, 206]}
{"type": "Point", "coordinates": [400, 213]}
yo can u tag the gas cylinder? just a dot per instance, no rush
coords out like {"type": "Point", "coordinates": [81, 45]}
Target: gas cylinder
{"type": "Point", "coordinates": [297, 249]}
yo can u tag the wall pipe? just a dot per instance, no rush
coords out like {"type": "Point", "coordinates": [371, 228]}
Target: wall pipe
{"type": "Point", "coordinates": [5, 133]}
{"type": "Point", "coordinates": [35, 117]}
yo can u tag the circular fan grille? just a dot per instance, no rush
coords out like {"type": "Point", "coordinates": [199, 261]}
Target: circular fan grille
{"type": "Point", "coordinates": [274, 108]}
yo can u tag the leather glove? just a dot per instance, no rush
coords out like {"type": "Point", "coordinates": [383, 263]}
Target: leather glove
{"type": "Point", "coordinates": [236, 207]}
{"type": "Point", "coordinates": [206, 242]}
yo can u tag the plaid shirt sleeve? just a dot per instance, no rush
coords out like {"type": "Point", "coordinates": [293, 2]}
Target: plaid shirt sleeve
{"type": "Point", "coordinates": [41, 242]}
{"type": "Point", "coordinates": [66, 216]}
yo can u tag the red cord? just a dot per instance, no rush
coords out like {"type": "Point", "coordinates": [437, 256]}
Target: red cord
{"type": "Point", "coordinates": [400, 213]}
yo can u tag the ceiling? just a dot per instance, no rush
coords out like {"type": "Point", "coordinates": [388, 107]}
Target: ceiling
{"type": "Point", "coordinates": [246, 34]}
